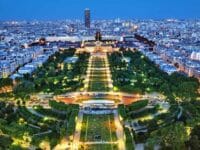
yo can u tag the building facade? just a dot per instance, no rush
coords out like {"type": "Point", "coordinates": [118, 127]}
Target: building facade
{"type": "Point", "coordinates": [87, 18]}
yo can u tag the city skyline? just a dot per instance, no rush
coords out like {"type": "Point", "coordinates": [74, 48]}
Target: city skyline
{"type": "Point", "coordinates": [99, 74]}
{"type": "Point", "coordinates": [109, 9]}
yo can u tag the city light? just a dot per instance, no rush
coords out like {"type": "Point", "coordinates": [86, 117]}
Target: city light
{"type": "Point", "coordinates": [83, 83]}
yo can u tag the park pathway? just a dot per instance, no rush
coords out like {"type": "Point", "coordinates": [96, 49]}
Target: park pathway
{"type": "Point", "coordinates": [119, 131]}
{"type": "Point", "coordinates": [77, 133]}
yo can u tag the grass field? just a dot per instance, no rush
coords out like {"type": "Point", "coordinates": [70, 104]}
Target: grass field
{"type": "Point", "coordinates": [99, 86]}
{"type": "Point", "coordinates": [98, 78]}
{"type": "Point", "coordinates": [101, 126]}
{"type": "Point", "coordinates": [98, 125]}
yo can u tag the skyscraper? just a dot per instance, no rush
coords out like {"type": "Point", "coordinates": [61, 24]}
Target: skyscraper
{"type": "Point", "coordinates": [87, 18]}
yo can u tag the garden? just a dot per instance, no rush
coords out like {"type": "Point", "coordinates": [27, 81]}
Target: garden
{"type": "Point", "coordinates": [55, 76]}
{"type": "Point", "coordinates": [140, 75]}
{"type": "Point", "coordinates": [99, 128]}
{"type": "Point", "coordinates": [150, 123]}
{"type": "Point", "coordinates": [25, 127]}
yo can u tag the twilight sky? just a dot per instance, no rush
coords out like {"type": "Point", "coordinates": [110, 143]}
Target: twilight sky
{"type": "Point", "coordinates": [100, 9]}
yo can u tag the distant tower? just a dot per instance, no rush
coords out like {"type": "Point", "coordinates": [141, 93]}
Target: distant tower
{"type": "Point", "coordinates": [87, 18]}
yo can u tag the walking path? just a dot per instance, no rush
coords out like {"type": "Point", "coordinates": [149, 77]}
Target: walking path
{"type": "Point", "coordinates": [180, 112]}
{"type": "Point", "coordinates": [35, 113]}
{"type": "Point", "coordinates": [119, 131]}
{"type": "Point", "coordinates": [43, 133]}
{"type": "Point", "coordinates": [77, 133]}
{"type": "Point", "coordinates": [31, 110]}
{"type": "Point", "coordinates": [99, 142]}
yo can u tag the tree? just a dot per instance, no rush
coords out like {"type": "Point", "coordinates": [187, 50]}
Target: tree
{"type": "Point", "coordinates": [166, 90]}
{"type": "Point", "coordinates": [171, 137]}
{"type": "Point", "coordinates": [187, 90]}
{"type": "Point", "coordinates": [5, 141]}
{"type": "Point", "coordinates": [194, 142]}
{"type": "Point", "coordinates": [23, 89]}
{"type": "Point", "coordinates": [6, 82]}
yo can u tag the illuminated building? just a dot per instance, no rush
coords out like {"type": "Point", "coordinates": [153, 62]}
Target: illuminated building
{"type": "Point", "coordinates": [87, 18]}
{"type": "Point", "coordinates": [98, 36]}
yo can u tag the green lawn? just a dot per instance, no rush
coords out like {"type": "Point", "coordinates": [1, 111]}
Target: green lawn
{"type": "Point", "coordinates": [98, 78]}
{"type": "Point", "coordinates": [98, 125]}
{"type": "Point", "coordinates": [98, 86]}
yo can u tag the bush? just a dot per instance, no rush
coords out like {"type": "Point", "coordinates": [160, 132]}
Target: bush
{"type": "Point", "coordinates": [122, 111]}
{"type": "Point", "coordinates": [72, 123]}
{"type": "Point", "coordinates": [58, 105]}
{"type": "Point", "coordinates": [143, 113]}
{"type": "Point", "coordinates": [137, 105]}
{"type": "Point", "coordinates": [51, 113]}
{"type": "Point", "coordinates": [129, 140]}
